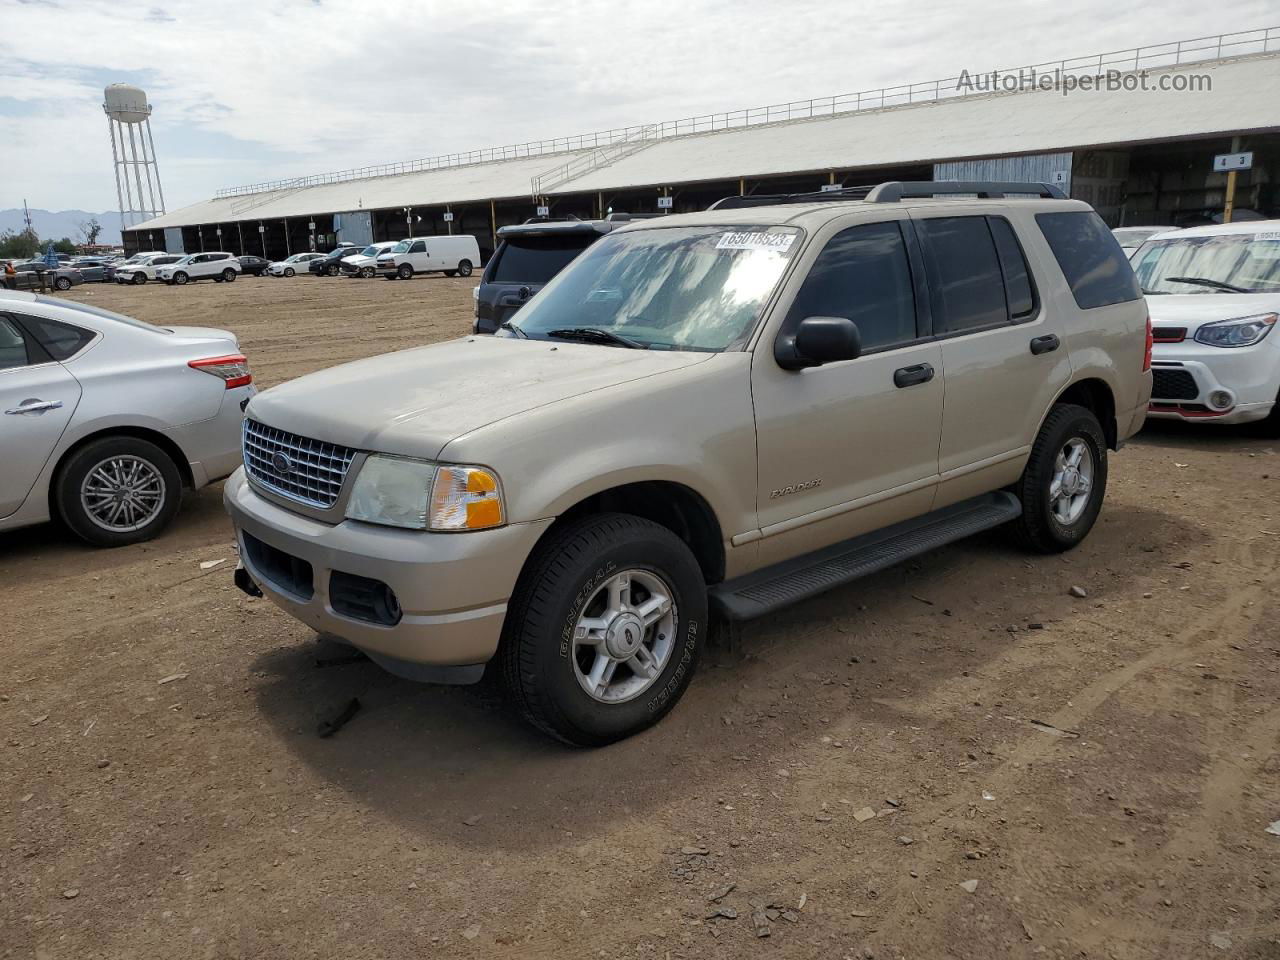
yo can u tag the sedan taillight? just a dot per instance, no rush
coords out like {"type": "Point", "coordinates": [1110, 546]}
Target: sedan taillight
{"type": "Point", "coordinates": [233, 369]}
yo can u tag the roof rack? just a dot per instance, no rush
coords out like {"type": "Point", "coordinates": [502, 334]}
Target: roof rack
{"type": "Point", "coordinates": [896, 190]}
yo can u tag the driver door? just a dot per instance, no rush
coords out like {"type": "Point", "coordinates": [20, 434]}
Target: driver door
{"type": "Point", "coordinates": [850, 447]}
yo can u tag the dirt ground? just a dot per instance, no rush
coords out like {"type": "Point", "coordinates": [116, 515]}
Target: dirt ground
{"type": "Point", "coordinates": [1104, 769]}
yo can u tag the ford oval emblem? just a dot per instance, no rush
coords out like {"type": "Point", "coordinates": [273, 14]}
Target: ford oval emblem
{"type": "Point", "coordinates": [283, 465]}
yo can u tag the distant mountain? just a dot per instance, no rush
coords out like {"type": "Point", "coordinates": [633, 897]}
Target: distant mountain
{"type": "Point", "coordinates": [54, 225]}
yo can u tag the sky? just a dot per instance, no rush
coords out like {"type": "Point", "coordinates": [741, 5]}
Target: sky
{"type": "Point", "coordinates": [250, 91]}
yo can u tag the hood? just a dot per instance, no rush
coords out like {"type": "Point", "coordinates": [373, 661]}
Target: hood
{"type": "Point", "coordinates": [414, 402]}
{"type": "Point", "coordinates": [1190, 310]}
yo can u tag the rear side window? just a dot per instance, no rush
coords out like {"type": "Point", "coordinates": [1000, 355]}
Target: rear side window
{"type": "Point", "coordinates": [1096, 269]}
{"type": "Point", "coordinates": [62, 340]}
{"type": "Point", "coordinates": [862, 274]}
{"type": "Point", "coordinates": [1018, 287]}
{"type": "Point", "coordinates": [536, 259]}
{"type": "Point", "coordinates": [13, 348]}
{"type": "Point", "coordinates": [964, 274]}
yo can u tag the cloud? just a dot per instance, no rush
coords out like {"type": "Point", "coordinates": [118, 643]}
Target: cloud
{"type": "Point", "coordinates": [258, 90]}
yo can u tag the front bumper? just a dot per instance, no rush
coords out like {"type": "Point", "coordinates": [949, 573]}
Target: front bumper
{"type": "Point", "coordinates": [452, 588]}
{"type": "Point", "coordinates": [1188, 374]}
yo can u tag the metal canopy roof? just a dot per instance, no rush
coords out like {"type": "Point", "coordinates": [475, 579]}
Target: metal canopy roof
{"type": "Point", "coordinates": [1242, 98]}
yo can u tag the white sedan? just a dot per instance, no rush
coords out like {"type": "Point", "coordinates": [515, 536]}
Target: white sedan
{"type": "Point", "coordinates": [289, 266]}
{"type": "Point", "coordinates": [106, 419]}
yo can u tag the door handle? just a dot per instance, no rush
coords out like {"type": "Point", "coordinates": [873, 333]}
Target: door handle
{"type": "Point", "coordinates": [911, 376]}
{"type": "Point", "coordinates": [1046, 344]}
{"type": "Point", "coordinates": [34, 406]}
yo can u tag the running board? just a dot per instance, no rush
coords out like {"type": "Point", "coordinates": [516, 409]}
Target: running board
{"type": "Point", "coordinates": [791, 581]}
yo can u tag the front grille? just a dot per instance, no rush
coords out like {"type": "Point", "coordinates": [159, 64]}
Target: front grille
{"type": "Point", "coordinates": [1173, 384]}
{"type": "Point", "coordinates": [309, 471]}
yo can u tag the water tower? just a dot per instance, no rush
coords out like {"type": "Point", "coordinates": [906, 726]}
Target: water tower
{"type": "Point", "coordinates": [133, 154]}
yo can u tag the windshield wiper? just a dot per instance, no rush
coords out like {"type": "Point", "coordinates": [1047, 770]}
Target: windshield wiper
{"type": "Point", "coordinates": [596, 335]}
{"type": "Point", "coordinates": [1205, 282]}
{"type": "Point", "coordinates": [508, 325]}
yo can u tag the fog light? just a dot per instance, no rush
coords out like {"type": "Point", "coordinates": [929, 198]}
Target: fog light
{"type": "Point", "coordinates": [1221, 399]}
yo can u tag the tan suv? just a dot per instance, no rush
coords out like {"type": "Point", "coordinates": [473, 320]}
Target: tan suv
{"type": "Point", "coordinates": [706, 415]}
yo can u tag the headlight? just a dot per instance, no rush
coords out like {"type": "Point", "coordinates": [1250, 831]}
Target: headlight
{"type": "Point", "coordinates": [1237, 332]}
{"type": "Point", "coordinates": [399, 492]}
{"type": "Point", "coordinates": [392, 491]}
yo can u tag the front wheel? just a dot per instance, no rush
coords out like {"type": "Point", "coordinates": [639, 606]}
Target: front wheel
{"type": "Point", "coordinates": [180, 278]}
{"type": "Point", "coordinates": [139, 279]}
{"type": "Point", "coordinates": [288, 271]}
{"type": "Point", "coordinates": [1064, 482]}
{"type": "Point", "coordinates": [62, 283]}
{"type": "Point", "coordinates": [604, 630]}
{"type": "Point", "coordinates": [366, 272]}
{"type": "Point", "coordinates": [118, 490]}
{"type": "Point", "coordinates": [332, 270]}
{"type": "Point", "coordinates": [404, 271]}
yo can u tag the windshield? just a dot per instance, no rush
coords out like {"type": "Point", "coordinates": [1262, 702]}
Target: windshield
{"type": "Point", "coordinates": [186, 259]}
{"type": "Point", "coordinates": [369, 251]}
{"type": "Point", "coordinates": [400, 247]}
{"type": "Point", "coordinates": [673, 288]}
{"type": "Point", "coordinates": [537, 259]}
{"type": "Point", "coordinates": [1248, 261]}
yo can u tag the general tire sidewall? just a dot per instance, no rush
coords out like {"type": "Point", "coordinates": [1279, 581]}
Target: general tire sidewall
{"type": "Point", "coordinates": [1086, 428]}
{"type": "Point", "coordinates": [598, 722]}
{"type": "Point", "coordinates": [464, 268]}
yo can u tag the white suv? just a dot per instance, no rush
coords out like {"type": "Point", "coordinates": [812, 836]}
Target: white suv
{"type": "Point", "coordinates": [201, 266]}
{"type": "Point", "coordinates": [145, 269]}
{"type": "Point", "coordinates": [1214, 295]}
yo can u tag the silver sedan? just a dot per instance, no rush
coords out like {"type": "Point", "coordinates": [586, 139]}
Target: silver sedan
{"type": "Point", "coordinates": [105, 419]}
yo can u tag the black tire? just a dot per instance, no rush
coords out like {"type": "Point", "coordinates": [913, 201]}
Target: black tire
{"type": "Point", "coordinates": [180, 277]}
{"type": "Point", "coordinates": [139, 279]}
{"type": "Point", "coordinates": [451, 273]}
{"type": "Point", "coordinates": [404, 271]}
{"type": "Point", "coordinates": [367, 272]}
{"type": "Point", "coordinates": [1039, 528]}
{"type": "Point", "coordinates": [288, 271]}
{"type": "Point", "coordinates": [71, 475]}
{"type": "Point", "coordinates": [62, 283]}
{"type": "Point", "coordinates": [464, 268]}
{"type": "Point", "coordinates": [229, 275]}
{"type": "Point", "coordinates": [1269, 427]}
{"type": "Point", "coordinates": [565, 571]}
{"type": "Point", "coordinates": [332, 270]}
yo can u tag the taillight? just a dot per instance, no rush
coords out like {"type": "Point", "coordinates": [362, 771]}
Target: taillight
{"type": "Point", "coordinates": [234, 369]}
{"type": "Point", "coordinates": [1146, 360]}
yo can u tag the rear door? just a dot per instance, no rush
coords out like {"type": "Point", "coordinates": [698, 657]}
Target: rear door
{"type": "Point", "coordinates": [1002, 349]}
{"type": "Point", "coordinates": [37, 398]}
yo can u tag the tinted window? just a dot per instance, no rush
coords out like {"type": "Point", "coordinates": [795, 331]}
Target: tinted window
{"type": "Point", "coordinates": [1096, 269]}
{"type": "Point", "coordinates": [536, 259]}
{"type": "Point", "coordinates": [964, 274]}
{"type": "Point", "coordinates": [1018, 287]}
{"type": "Point", "coordinates": [13, 349]}
{"type": "Point", "coordinates": [62, 340]}
{"type": "Point", "coordinates": [419, 247]}
{"type": "Point", "coordinates": [862, 274]}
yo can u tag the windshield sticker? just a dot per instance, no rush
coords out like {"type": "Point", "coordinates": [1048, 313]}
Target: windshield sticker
{"type": "Point", "coordinates": [1269, 235]}
{"type": "Point", "coordinates": [756, 241]}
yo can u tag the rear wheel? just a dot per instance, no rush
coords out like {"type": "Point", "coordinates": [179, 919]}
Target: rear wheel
{"type": "Point", "coordinates": [228, 275]}
{"type": "Point", "coordinates": [1064, 482]}
{"type": "Point", "coordinates": [118, 490]}
{"type": "Point", "coordinates": [604, 629]}
{"type": "Point", "coordinates": [404, 271]}
{"type": "Point", "coordinates": [464, 268]}
{"type": "Point", "coordinates": [62, 283]}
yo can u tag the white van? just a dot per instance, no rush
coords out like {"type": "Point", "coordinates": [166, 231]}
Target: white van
{"type": "Point", "coordinates": [452, 256]}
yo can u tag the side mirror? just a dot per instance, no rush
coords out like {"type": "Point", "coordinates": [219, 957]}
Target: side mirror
{"type": "Point", "coordinates": [818, 340]}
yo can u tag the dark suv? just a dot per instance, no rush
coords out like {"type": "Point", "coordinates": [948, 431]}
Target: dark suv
{"type": "Point", "coordinates": [528, 256]}
{"type": "Point", "coordinates": [331, 264]}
